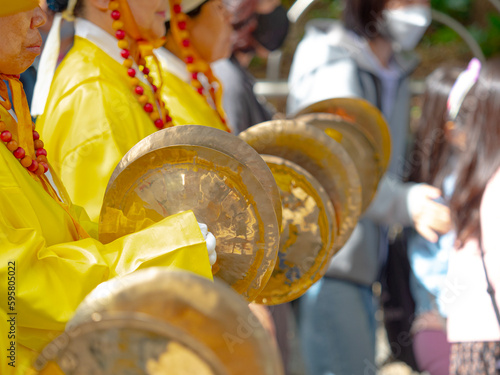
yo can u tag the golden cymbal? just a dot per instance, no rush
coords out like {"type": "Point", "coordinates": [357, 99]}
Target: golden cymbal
{"type": "Point", "coordinates": [358, 146]}
{"type": "Point", "coordinates": [221, 191]}
{"type": "Point", "coordinates": [320, 155]}
{"type": "Point", "coordinates": [216, 139]}
{"type": "Point", "coordinates": [121, 343]}
{"type": "Point", "coordinates": [309, 230]}
{"type": "Point", "coordinates": [362, 113]}
{"type": "Point", "coordinates": [209, 312]}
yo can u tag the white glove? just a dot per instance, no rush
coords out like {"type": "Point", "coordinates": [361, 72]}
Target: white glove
{"type": "Point", "coordinates": [210, 241]}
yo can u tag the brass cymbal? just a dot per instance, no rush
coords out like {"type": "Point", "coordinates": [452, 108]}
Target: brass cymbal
{"type": "Point", "coordinates": [222, 192]}
{"type": "Point", "coordinates": [209, 312]}
{"type": "Point", "coordinates": [362, 113]}
{"type": "Point", "coordinates": [205, 136]}
{"type": "Point", "coordinates": [121, 343]}
{"type": "Point", "coordinates": [324, 158]}
{"type": "Point", "coordinates": [358, 146]}
{"type": "Point", "coordinates": [309, 230]}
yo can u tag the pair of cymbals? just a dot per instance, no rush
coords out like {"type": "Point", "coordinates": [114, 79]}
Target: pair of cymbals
{"type": "Point", "coordinates": [157, 322]}
{"type": "Point", "coordinates": [327, 166]}
{"type": "Point", "coordinates": [216, 175]}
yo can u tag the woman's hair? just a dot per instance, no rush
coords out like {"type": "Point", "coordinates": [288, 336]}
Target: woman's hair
{"type": "Point", "coordinates": [479, 118]}
{"type": "Point", "coordinates": [430, 155]}
{"type": "Point", "coordinates": [364, 17]}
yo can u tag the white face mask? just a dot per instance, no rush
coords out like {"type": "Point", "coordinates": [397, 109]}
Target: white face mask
{"type": "Point", "coordinates": [407, 25]}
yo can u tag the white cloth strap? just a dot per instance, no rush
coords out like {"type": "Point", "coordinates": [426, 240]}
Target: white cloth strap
{"type": "Point", "coordinates": [48, 61]}
{"type": "Point", "coordinates": [47, 67]}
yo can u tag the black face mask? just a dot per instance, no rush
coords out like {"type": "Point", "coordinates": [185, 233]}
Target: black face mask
{"type": "Point", "coordinates": [272, 29]}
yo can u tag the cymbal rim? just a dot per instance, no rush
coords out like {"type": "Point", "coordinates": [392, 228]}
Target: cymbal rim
{"type": "Point", "coordinates": [364, 113]}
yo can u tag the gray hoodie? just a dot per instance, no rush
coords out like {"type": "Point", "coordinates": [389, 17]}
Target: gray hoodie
{"type": "Point", "coordinates": [331, 62]}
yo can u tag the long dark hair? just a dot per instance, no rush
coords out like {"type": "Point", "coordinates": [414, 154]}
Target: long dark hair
{"type": "Point", "coordinates": [431, 153]}
{"type": "Point", "coordinates": [479, 117]}
{"type": "Point", "coordinates": [364, 17]}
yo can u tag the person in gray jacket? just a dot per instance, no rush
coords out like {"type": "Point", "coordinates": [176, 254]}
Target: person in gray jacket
{"type": "Point", "coordinates": [368, 56]}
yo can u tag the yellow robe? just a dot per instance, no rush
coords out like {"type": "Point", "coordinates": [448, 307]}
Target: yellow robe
{"type": "Point", "coordinates": [92, 119]}
{"type": "Point", "coordinates": [186, 106]}
{"type": "Point", "coordinates": [55, 267]}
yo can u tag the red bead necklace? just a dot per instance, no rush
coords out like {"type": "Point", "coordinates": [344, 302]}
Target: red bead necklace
{"type": "Point", "coordinates": [195, 65]}
{"type": "Point", "coordinates": [38, 166]}
{"type": "Point", "coordinates": [128, 63]}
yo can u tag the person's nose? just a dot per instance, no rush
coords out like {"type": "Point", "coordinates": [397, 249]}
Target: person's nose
{"type": "Point", "coordinates": [39, 18]}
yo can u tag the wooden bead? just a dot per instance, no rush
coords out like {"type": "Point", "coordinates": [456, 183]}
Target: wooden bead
{"type": "Point", "coordinates": [38, 144]}
{"type": "Point", "coordinates": [33, 167]}
{"type": "Point", "coordinates": [117, 25]}
{"type": "Point", "coordinates": [195, 83]}
{"type": "Point", "coordinates": [6, 136]}
{"type": "Point", "coordinates": [12, 145]}
{"type": "Point", "coordinates": [123, 44]}
{"type": "Point", "coordinates": [40, 170]}
{"type": "Point", "coordinates": [19, 153]}
{"type": "Point", "coordinates": [45, 166]}
{"type": "Point", "coordinates": [41, 159]}
{"type": "Point", "coordinates": [113, 5]}
{"type": "Point", "coordinates": [116, 15]}
{"type": "Point", "coordinates": [128, 63]}
{"type": "Point", "coordinates": [26, 161]}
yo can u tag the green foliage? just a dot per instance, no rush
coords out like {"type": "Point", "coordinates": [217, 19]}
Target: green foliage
{"type": "Point", "coordinates": [488, 37]}
{"type": "Point", "coordinates": [458, 9]}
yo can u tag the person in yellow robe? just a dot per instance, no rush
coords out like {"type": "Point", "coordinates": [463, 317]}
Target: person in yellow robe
{"type": "Point", "coordinates": [101, 101]}
{"type": "Point", "coordinates": [48, 259]}
{"type": "Point", "coordinates": [199, 33]}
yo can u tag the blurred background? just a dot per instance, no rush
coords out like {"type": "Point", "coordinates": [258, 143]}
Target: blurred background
{"type": "Point", "coordinates": [461, 30]}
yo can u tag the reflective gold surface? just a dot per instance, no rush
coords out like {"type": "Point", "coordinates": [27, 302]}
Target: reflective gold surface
{"type": "Point", "coordinates": [216, 139]}
{"type": "Point", "coordinates": [309, 229]}
{"type": "Point", "coordinates": [209, 312]}
{"type": "Point", "coordinates": [128, 343]}
{"type": "Point", "coordinates": [358, 146]}
{"type": "Point", "coordinates": [222, 192]}
{"type": "Point", "coordinates": [321, 156]}
{"type": "Point", "coordinates": [361, 112]}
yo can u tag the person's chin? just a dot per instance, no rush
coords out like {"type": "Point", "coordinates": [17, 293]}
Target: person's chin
{"type": "Point", "coordinates": [23, 66]}
{"type": "Point", "coordinates": [158, 32]}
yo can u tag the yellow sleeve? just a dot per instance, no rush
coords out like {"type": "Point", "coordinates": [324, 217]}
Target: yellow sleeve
{"type": "Point", "coordinates": [52, 280]}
